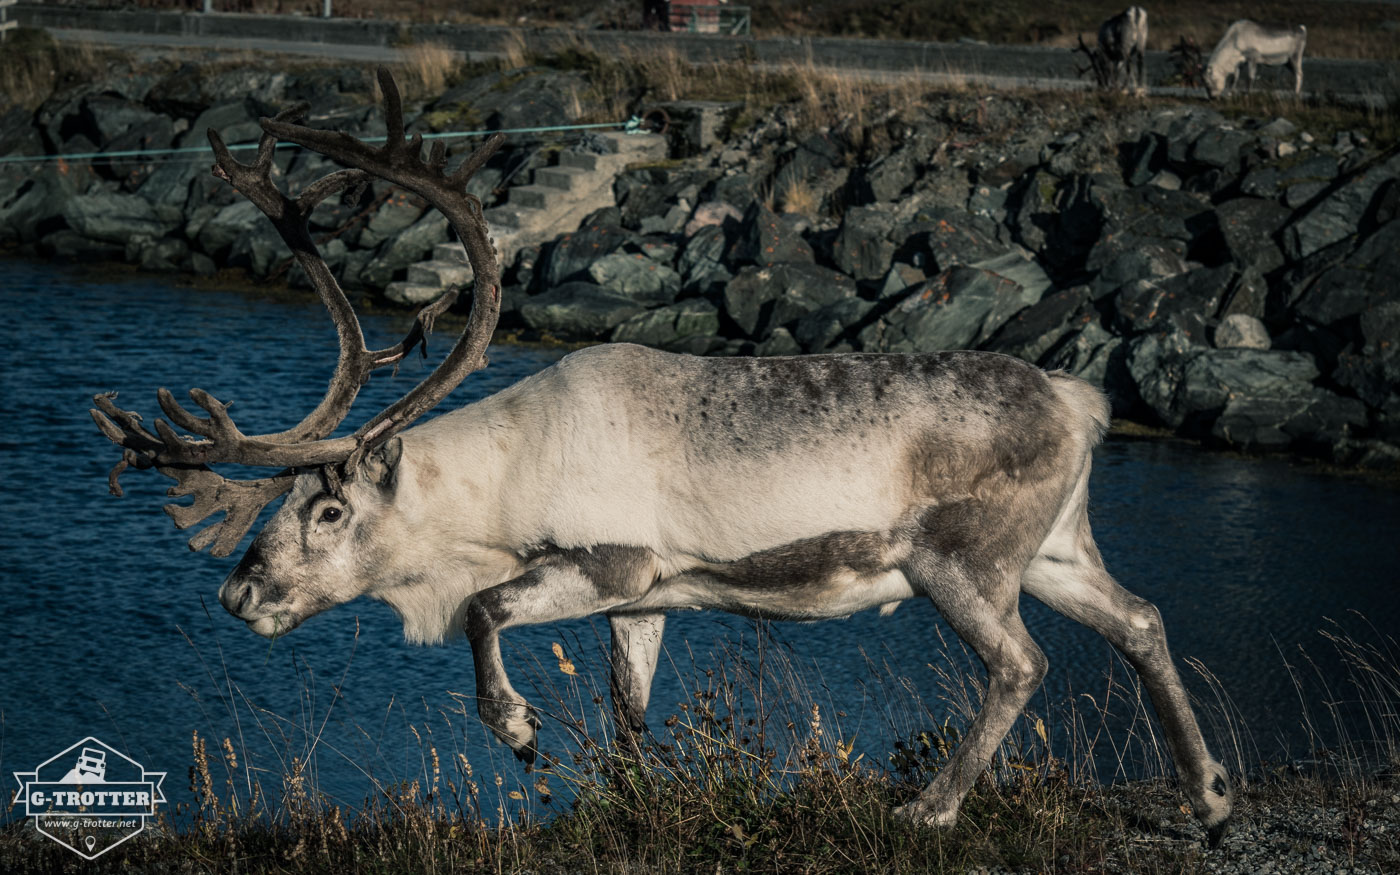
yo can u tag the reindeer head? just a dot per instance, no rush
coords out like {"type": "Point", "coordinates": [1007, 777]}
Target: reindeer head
{"type": "Point", "coordinates": [335, 484]}
{"type": "Point", "coordinates": [1215, 78]}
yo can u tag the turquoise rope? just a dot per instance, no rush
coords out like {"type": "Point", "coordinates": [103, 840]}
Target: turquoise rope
{"type": "Point", "coordinates": [630, 125]}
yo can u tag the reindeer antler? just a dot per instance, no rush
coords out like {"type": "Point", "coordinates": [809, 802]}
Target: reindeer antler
{"type": "Point", "coordinates": [219, 440]}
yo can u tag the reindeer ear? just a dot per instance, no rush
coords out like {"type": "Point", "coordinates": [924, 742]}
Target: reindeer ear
{"type": "Point", "coordinates": [380, 466]}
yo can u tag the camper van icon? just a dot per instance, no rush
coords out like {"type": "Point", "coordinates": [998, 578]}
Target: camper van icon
{"type": "Point", "coordinates": [91, 768]}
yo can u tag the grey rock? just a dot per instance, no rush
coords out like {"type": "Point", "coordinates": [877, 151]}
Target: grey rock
{"type": "Point", "coordinates": [1185, 301]}
{"type": "Point", "coordinates": [407, 247]}
{"type": "Point", "coordinates": [765, 239]}
{"type": "Point", "coordinates": [675, 327]}
{"type": "Point", "coordinates": [1248, 226]}
{"type": "Point", "coordinates": [258, 250]}
{"type": "Point", "coordinates": [216, 233]}
{"type": "Point", "coordinates": [114, 217]}
{"type": "Point", "coordinates": [1366, 278]}
{"type": "Point", "coordinates": [701, 262]}
{"type": "Point", "coordinates": [1220, 148]}
{"type": "Point", "coordinates": [884, 179]}
{"type": "Point", "coordinates": [958, 309]}
{"type": "Point", "coordinates": [863, 248]}
{"type": "Point", "coordinates": [645, 280]}
{"type": "Point", "coordinates": [1021, 270]}
{"type": "Point", "coordinates": [578, 310]}
{"type": "Point", "coordinates": [760, 299]}
{"type": "Point", "coordinates": [1189, 386]}
{"type": "Point", "coordinates": [393, 217]}
{"type": "Point", "coordinates": [938, 239]}
{"type": "Point", "coordinates": [1339, 214]}
{"type": "Point", "coordinates": [824, 329]}
{"type": "Point", "coordinates": [780, 342]}
{"type": "Point", "coordinates": [1034, 331]}
{"type": "Point", "coordinates": [104, 117]}
{"type": "Point", "coordinates": [1310, 416]}
{"type": "Point", "coordinates": [1241, 331]}
{"type": "Point", "coordinates": [232, 119]}
{"type": "Point", "coordinates": [35, 205]}
{"type": "Point", "coordinates": [1125, 258]}
{"type": "Point", "coordinates": [568, 257]}
{"type": "Point", "coordinates": [1091, 353]}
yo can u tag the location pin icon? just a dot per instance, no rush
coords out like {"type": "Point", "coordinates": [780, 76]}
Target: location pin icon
{"type": "Point", "coordinates": [91, 842]}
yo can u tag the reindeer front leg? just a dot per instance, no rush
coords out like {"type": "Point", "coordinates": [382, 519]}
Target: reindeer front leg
{"type": "Point", "coordinates": [563, 584]}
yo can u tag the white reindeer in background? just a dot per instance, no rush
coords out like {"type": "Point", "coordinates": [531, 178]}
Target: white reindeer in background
{"type": "Point", "coordinates": [629, 482]}
{"type": "Point", "coordinates": [1122, 39]}
{"type": "Point", "coordinates": [1251, 44]}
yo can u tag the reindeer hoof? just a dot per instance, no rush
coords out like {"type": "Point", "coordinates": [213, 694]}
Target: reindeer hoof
{"type": "Point", "coordinates": [1216, 834]}
{"type": "Point", "coordinates": [924, 813]}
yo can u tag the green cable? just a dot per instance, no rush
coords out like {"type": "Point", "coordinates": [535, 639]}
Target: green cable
{"type": "Point", "coordinates": [82, 156]}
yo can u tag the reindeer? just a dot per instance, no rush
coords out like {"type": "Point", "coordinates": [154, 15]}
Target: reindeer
{"type": "Point", "coordinates": [1122, 39]}
{"type": "Point", "coordinates": [628, 482]}
{"type": "Point", "coordinates": [1252, 44]}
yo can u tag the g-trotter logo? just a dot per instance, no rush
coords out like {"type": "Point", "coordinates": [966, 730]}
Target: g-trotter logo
{"type": "Point", "coordinates": [90, 797]}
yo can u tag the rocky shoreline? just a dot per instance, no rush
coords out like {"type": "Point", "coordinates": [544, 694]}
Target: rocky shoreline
{"type": "Point", "coordinates": [1233, 280]}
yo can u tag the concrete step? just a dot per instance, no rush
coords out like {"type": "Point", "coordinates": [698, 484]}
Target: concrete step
{"type": "Point", "coordinates": [536, 197]}
{"type": "Point", "coordinates": [638, 147]}
{"type": "Point", "coordinates": [587, 161]}
{"type": "Point", "coordinates": [563, 178]}
{"type": "Point", "coordinates": [439, 273]}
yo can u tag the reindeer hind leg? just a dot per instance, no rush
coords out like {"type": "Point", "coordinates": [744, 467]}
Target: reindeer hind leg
{"type": "Point", "coordinates": [983, 610]}
{"type": "Point", "coordinates": [1068, 575]}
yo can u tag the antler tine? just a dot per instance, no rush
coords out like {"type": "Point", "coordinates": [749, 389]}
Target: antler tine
{"type": "Point", "coordinates": [401, 162]}
{"type": "Point", "coordinates": [240, 501]}
{"type": "Point", "coordinates": [185, 459]}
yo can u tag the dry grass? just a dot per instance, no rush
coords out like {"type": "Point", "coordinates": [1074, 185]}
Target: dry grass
{"type": "Point", "coordinates": [757, 769]}
{"type": "Point", "coordinates": [33, 67]}
{"type": "Point", "coordinates": [428, 68]}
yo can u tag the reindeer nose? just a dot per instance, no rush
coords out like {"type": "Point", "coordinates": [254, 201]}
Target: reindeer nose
{"type": "Point", "coordinates": [235, 595]}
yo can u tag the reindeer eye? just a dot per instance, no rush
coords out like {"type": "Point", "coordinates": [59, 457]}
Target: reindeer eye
{"type": "Point", "coordinates": [330, 514]}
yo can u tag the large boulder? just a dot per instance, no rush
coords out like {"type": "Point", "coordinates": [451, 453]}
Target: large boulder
{"type": "Point", "coordinates": [760, 299]}
{"type": "Point", "coordinates": [1185, 301]}
{"type": "Point", "coordinates": [1247, 226]}
{"type": "Point", "coordinates": [685, 326]}
{"type": "Point", "coordinates": [958, 309]}
{"type": "Point", "coordinates": [1365, 279]}
{"type": "Point", "coordinates": [409, 246]}
{"type": "Point", "coordinates": [578, 311]}
{"type": "Point", "coordinates": [940, 238]}
{"type": "Point", "coordinates": [568, 257]}
{"type": "Point", "coordinates": [645, 280]}
{"type": "Point", "coordinates": [1091, 353]}
{"type": "Point", "coordinates": [701, 261]}
{"type": "Point", "coordinates": [1034, 331]}
{"type": "Point", "coordinates": [35, 205]}
{"type": "Point", "coordinates": [833, 327]}
{"type": "Point", "coordinates": [1340, 214]}
{"type": "Point", "coordinates": [765, 239]}
{"type": "Point", "coordinates": [863, 248]}
{"type": "Point", "coordinates": [115, 217]}
{"type": "Point", "coordinates": [1250, 398]}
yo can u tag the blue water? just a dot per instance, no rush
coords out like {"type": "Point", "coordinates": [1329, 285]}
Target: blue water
{"type": "Point", "coordinates": [112, 628]}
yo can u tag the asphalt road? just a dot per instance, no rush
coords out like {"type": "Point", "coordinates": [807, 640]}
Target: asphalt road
{"type": "Point", "coordinates": [1357, 82]}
